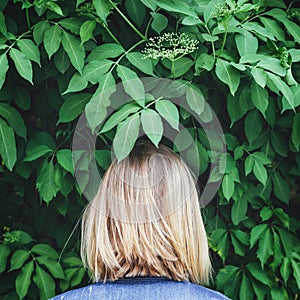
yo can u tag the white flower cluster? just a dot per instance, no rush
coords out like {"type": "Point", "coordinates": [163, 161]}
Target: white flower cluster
{"type": "Point", "coordinates": [170, 45]}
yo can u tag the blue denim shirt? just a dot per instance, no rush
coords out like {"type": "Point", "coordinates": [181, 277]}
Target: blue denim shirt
{"type": "Point", "coordinates": [144, 288]}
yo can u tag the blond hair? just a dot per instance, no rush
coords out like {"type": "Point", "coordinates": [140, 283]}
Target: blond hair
{"type": "Point", "coordinates": [145, 220]}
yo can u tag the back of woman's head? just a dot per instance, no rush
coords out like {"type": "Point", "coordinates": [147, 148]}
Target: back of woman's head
{"type": "Point", "coordinates": [145, 220]}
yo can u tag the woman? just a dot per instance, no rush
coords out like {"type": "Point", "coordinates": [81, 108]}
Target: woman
{"type": "Point", "coordinates": [142, 235]}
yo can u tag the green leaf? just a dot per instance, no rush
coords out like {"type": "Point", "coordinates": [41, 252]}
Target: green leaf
{"type": "Point", "coordinates": [103, 158]}
{"type": "Point", "coordinates": [228, 186]}
{"type": "Point", "coordinates": [53, 7]}
{"type": "Point", "coordinates": [3, 69]}
{"type": "Point", "coordinates": [133, 86]}
{"type": "Point", "coordinates": [77, 83]}
{"type": "Point", "coordinates": [18, 259]}
{"type": "Point", "coordinates": [4, 252]}
{"type": "Point", "coordinates": [150, 4]}
{"type": "Point", "coordinates": [260, 97]}
{"type": "Point", "coordinates": [95, 69]}
{"type": "Point", "coordinates": [228, 74]}
{"type": "Point", "coordinates": [61, 60]}
{"type": "Point", "coordinates": [44, 250]}
{"type": "Point", "coordinates": [30, 49]}
{"type": "Point", "coordinates": [3, 28]}
{"type": "Point", "coordinates": [52, 40]}
{"type": "Point", "coordinates": [119, 116]}
{"type": "Point", "coordinates": [126, 135]}
{"type": "Point", "coordinates": [13, 118]}
{"type": "Point", "coordinates": [73, 107]}
{"type": "Point", "coordinates": [195, 99]}
{"type": "Point", "coordinates": [249, 163]}
{"type": "Point", "coordinates": [8, 149]}
{"type": "Point", "coordinates": [246, 43]}
{"type": "Point", "coordinates": [22, 64]}
{"type": "Point", "coordinates": [285, 269]}
{"type": "Point", "coordinates": [260, 76]}
{"type": "Point", "coordinates": [181, 66]}
{"type": "Point", "coordinates": [236, 108]}
{"type": "Point", "coordinates": [266, 248]}
{"type": "Point", "coordinates": [86, 30]}
{"type": "Point", "coordinates": [73, 24]}
{"type": "Point", "coordinates": [144, 65]}
{"type": "Point", "coordinates": [261, 158]}
{"type": "Point", "coordinates": [136, 11]}
{"type": "Point", "coordinates": [281, 188]}
{"type": "Point", "coordinates": [273, 65]}
{"type": "Point", "coordinates": [256, 233]}
{"type": "Point", "coordinates": [260, 172]}
{"type": "Point", "coordinates": [109, 50]}
{"type": "Point", "coordinates": [169, 112]}
{"type": "Point", "coordinates": [96, 107]}
{"type": "Point", "coordinates": [274, 28]}
{"type": "Point", "coordinates": [296, 131]}
{"type": "Point", "coordinates": [102, 8]}
{"type": "Point", "coordinates": [152, 125]}
{"type": "Point", "coordinates": [37, 152]}
{"type": "Point", "coordinates": [159, 23]}
{"type": "Point", "coordinates": [239, 210]}
{"type": "Point", "coordinates": [183, 140]}
{"type": "Point", "coordinates": [279, 143]}
{"type": "Point", "coordinates": [204, 61]}
{"type": "Point", "coordinates": [64, 158]}
{"type": "Point", "coordinates": [45, 182]}
{"type": "Point", "coordinates": [44, 282]}
{"type": "Point", "coordinates": [176, 6]}
{"type": "Point", "coordinates": [39, 31]}
{"type": "Point", "coordinates": [23, 280]}
{"type": "Point", "coordinates": [293, 29]}
{"type": "Point", "coordinates": [258, 273]}
{"type": "Point", "coordinates": [53, 267]}
{"type": "Point", "coordinates": [253, 132]}
{"type": "Point", "coordinates": [74, 50]}
{"type": "Point", "coordinates": [246, 287]}
{"type": "Point", "coordinates": [296, 273]}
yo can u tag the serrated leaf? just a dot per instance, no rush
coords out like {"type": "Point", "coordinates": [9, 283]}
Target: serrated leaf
{"type": "Point", "coordinates": [108, 50]}
{"type": "Point", "coordinates": [260, 97]}
{"type": "Point", "coordinates": [296, 131]}
{"type": "Point", "coordinates": [144, 65]}
{"type": "Point", "coordinates": [266, 248]}
{"type": "Point", "coordinates": [8, 149]}
{"type": "Point", "coordinates": [73, 107]}
{"type": "Point", "coordinates": [61, 60]}
{"type": "Point", "coordinates": [22, 64]}
{"type": "Point", "coordinates": [256, 233]}
{"type": "Point", "coordinates": [64, 158]}
{"type": "Point", "coordinates": [159, 23]}
{"type": "Point", "coordinates": [102, 8]}
{"type": "Point", "coordinates": [53, 266]}
{"type": "Point", "coordinates": [176, 6]}
{"type": "Point", "coordinates": [52, 40]}
{"type": "Point", "coordinates": [228, 74]}
{"type": "Point", "coordinates": [45, 182]}
{"type": "Point", "coordinates": [13, 118]}
{"type": "Point", "coordinates": [227, 186]}
{"type": "Point", "coordinates": [4, 68]}
{"type": "Point", "coordinates": [136, 11]}
{"type": "Point", "coordinates": [169, 112]}
{"type": "Point", "coordinates": [77, 83]}
{"type": "Point", "coordinates": [258, 273]}
{"type": "Point", "coordinates": [74, 50]}
{"type": "Point", "coordinates": [260, 76]}
{"type": "Point", "coordinates": [3, 28]}
{"type": "Point", "coordinates": [23, 280]}
{"type": "Point", "coordinates": [37, 152]}
{"type": "Point", "coordinates": [44, 282]}
{"type": "Point", "coordinates": [239, 211]}
{"type": "Point", "coordinates": [246, 43]}
{"type": "Point", "coordinates": [86, 30]}
{"type": "Point", "coordinates": [293, 29]}
{"type": "Point", "coordinates": [285, 269]}
{"type": "Point", "coordinates": [273, 65]}
{"type": "Point", "coordinates": [195, 99]}
{"type": "Point", "coordinates": [152, 125]}
{"type": "Point", "coordinates": [96, 108]}
{"type": "Point", "coordinates": [73, 24]}
{"type": "Point", "coordinates": [253, 132]}
{"type": "Point", "coordinates": [126, 136]}
{"type": "Point", "coordinates": [281, 188]}
{"type": "Point", "coordinates": [4, 252]}
{"type": "Point", "coordinates": [39, 31]}
{"type": "Point", "coordinates": [95, 69]}
{"type": "Point", "coordinates": [260, 172]}
{"type": "Point", "coordinates": [120, 116]}
{"type": "Point", "coordinates": [133, 86]}
{"type": "Point", "coordinates": [30, 49]}
{"type": "Point", "coordinates": [18, 259]}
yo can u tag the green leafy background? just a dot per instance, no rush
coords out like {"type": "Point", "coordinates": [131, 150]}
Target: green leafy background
{"type": "Point", "coordinates": [59, 58]}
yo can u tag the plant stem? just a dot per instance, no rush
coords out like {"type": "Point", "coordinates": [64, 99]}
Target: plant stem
{"type": "Point", "coordinates": [173, 68]}
{"type": "Point", "coordinates": [111, 34]}
{"type": "Point", "coordinates": [128, 22]}
{"type": "Point", "coordinates": [28, 19]}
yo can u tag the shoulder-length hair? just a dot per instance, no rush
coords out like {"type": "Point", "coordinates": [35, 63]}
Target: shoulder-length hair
{"type": "Point", "coordinates": [145, 220]}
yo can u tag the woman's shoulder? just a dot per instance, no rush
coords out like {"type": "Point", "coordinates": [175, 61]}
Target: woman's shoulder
{"type": "Point", "coordinates": [145, 289]}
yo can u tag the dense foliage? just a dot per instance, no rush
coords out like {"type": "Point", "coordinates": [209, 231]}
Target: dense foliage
{"type": "Point", "coordinates": [58, 58]}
